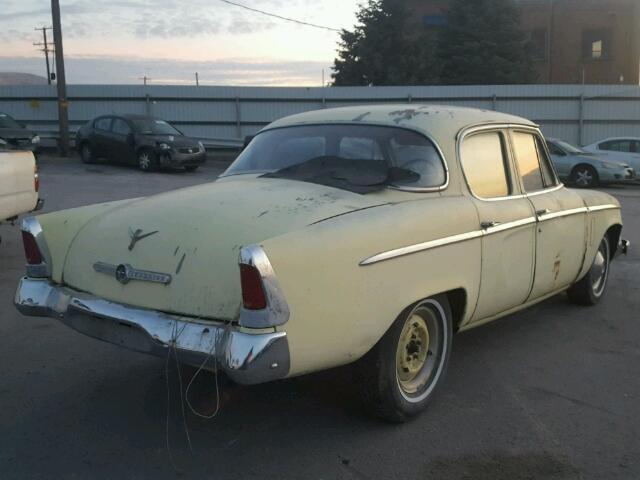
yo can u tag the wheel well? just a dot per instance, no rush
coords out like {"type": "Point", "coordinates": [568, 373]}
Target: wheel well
{"type": "Point", "coordinates": [458, 303]}
{"type": "Point", "coordinates": [613, 235]}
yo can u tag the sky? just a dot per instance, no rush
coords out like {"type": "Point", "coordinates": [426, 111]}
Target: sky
{"type": "Point", "coordinates": [121, 41]}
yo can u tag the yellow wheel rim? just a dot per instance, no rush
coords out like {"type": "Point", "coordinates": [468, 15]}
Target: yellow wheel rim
{"type": "Point", "coordinates": [413, 350]}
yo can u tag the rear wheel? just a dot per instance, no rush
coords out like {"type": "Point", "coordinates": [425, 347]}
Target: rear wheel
{"type": "Point", "coordinates": [584, 176]}
{"type": "Point", "coordinates": [403, 370]}
{"type": "Point", "coordinates": [86, 153]}
{"type": "Point", "coordinates": [591, 288]}
{"type": "Point", "coordinates": [147, 160]}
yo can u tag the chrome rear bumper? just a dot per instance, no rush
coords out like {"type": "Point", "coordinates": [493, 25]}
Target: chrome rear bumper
{"type": "Point", "coordinates": [247, 358]}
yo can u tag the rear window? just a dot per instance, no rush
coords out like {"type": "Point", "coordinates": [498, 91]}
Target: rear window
{"type": "Point", "coordinates": [354, 154]}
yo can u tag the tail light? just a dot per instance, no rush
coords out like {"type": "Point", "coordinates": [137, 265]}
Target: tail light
{"type": "Point", "coordinates": [35, 249]}
{"type": "Point", "coordinates": [31, 249]}
{"type": "Point", "coordinates": [36, 179]}
{"type": "Point", "coordinates": [263, 302]}
{"type": "Point", "coordinates": [253, 295]}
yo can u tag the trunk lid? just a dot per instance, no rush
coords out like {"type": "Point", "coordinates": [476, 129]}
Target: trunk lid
{"type": "Point", "coordinates": [195, 235]}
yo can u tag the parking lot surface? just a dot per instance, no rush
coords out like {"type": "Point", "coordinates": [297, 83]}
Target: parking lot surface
{"type": "Point", "coordinates": [552, 392]}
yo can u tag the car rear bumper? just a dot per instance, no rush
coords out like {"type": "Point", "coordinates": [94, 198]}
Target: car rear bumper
{"type": "Point", "coordinates": [247, 358]}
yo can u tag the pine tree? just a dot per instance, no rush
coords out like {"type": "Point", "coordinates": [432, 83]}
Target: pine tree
{"type": "Point", "coordinates": [383, 50]}
{"type": "Point", "coordinates": [483, 44]}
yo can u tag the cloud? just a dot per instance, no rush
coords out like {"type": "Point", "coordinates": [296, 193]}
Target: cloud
{"type": "Point", "coordinates": [130, 70]}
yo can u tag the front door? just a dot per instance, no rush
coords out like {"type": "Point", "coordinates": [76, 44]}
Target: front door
{"type": "Point", "coordinates": [561, 216]}
{"type": "Point", "coordinates": [507, 223]}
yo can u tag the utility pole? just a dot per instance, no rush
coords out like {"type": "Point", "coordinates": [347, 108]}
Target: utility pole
{"type": "Point", "coordinates": [45, 49]}
{"type": "Point", "coordinates": [144, 79]}
{"type": "Point", "coordinates": [197, 80]}
{"type": "Point", "coordinates": [63, 105]}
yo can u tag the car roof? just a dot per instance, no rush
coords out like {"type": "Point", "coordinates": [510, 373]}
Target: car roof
{"type": "Point", "coordinates": [610, 139]}
{"type": "Point", "coordinates": [441, 121]}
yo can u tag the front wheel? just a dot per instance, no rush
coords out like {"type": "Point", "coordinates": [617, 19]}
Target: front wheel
{"type": "Point", "coordinates": [591, 288]}
{"type": "Point", "coordinates": [584, 176]}
{"type": "Point", "coordinates": [146, 160]}
{"type": "Point", "coordinates": [403, 370]}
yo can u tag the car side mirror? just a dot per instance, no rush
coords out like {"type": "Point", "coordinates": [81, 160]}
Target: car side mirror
{"type": "Point", "coordinates": [131, 139]}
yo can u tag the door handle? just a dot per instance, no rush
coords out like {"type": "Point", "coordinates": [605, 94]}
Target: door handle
{"type": "Point", "coordinates": [488, 225]}
{"type": "Point", "coordinates": [544, 211]}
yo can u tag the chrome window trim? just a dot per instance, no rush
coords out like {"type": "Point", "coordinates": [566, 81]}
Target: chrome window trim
{"type": "Point", "coordinates": [470, 130]}
{"type": "Point", "coordinates": [277, 311]}
{"type": "Point", "coordinates": [462, 237]}
{"type": "Point", "coordinates": [419, 131]}
{"type": "Point", "coordinates": [32, 226]}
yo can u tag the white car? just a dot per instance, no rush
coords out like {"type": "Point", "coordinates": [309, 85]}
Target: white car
{"type": "Point", "coordinates": [618, 149]}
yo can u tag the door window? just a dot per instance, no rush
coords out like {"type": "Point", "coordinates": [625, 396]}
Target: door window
{"type": "Point", "coordinates": [625, 146]}
{"type": "Point", "coordinates": [484, 162]}
{"type": "Point", "coordinates": [533, 165]}
{"type": "Point", "coordinates": [120, 127]}
{"type": "Point", "coordinates": [103, 123]}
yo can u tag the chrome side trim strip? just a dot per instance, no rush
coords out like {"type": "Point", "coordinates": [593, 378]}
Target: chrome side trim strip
{"type": "Point", "coordinates": [420, 247]}
{"type": "Point", "coordinates": [603, 207]}
{"type": "Point", "coordinates": [440, 242]}
{"type": "Point", "coordinates": [564, 213]}
{"type": "Point", "coordinates": [509, 225]}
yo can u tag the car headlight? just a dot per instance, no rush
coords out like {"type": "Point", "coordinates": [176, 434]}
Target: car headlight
{"type": "Point", "coordinates": [610, 166]}
{"type": "Point", "coordinates": [2, 142]}
{"type": "Point", "coordinates": [201, 146]}
{"type": "Point", "coordinates": [35, 139]}
{"type": "Point", "coordinates": [164, 146]}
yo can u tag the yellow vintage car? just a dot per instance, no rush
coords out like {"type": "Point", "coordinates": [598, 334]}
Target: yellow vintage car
{"type": "Point", "coordinates": [365, 235]}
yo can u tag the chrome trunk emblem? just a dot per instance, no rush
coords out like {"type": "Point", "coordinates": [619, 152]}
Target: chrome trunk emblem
{"type": "Point", "coordinates": [124, 273]}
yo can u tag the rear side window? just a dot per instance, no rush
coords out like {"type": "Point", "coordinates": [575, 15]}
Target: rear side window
{"type": "Point", "coordinates": [120, 127]}
{"type": "Point", "coordinates": [627, 146]}
{"type": "Point", "coordinates": [484, 163]}
{"type": "Point", "coordinates": [526, 153]}
{"type": "Point", "coordinates": [102, 123]}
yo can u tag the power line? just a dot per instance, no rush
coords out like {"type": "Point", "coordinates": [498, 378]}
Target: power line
{"type": "Point", "coordinates": [300, 22]}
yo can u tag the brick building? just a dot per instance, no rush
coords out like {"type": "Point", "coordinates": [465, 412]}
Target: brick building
{"type": "Point", "coordinates": [574, 41]}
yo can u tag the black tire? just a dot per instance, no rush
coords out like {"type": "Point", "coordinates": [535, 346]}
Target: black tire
{"type": "Point", "coordinates": [86, 153]}
{"type": "Point", "coordinates": [384, 393]}
{"type": "Point", "coordinates": [591, 289]}
{"type": "Point", "coordinates": [147, 160]}
{"type": "Point", "coordinates": [584, 176]}
{"type": "Point", "coordinates": [191, 168]}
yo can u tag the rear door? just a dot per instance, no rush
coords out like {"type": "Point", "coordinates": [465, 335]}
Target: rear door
{"type": "Point", "coordinates": [99, 138]}
{"type": "Point", "coordinates": [507, 222]}
{"type": "Point", "coordinates": [121, 150]}
{"type": "Point", "coordinates": [561, 215]}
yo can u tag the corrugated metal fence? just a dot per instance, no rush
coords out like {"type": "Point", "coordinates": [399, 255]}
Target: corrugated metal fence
{"type": "Point", "coordinates": [224, 115]}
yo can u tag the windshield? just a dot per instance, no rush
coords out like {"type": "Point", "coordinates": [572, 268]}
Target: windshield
{"type": "Point", "coordinates": [567, 147]}
{"type": "Point", "coordinates": [7, 122]}
{"type": "Point", "coordinates": [360, 158]}
{"type": "Point", "coordinates": [152, 126]}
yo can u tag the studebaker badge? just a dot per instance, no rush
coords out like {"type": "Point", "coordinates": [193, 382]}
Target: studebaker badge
{"type": "Point", "coordinates": [124, 273]}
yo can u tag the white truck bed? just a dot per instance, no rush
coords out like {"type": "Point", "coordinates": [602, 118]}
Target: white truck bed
{"type": "Point", "coordinates": [17, 184]}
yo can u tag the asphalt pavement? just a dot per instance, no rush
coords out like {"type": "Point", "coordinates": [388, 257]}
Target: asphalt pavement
{"type": "Point", "coordinates": [552, 392]}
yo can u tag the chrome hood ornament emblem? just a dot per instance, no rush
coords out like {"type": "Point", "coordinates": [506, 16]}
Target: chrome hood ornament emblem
{"type": "Point", "coordinates": [137, 235]}
{"type": "Point", "coordinates": [124, 273]}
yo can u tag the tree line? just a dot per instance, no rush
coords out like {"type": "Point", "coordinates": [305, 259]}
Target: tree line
{"type": "Point", "coordinates": [481, 43]}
